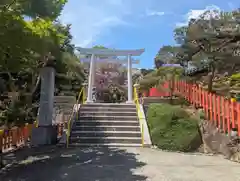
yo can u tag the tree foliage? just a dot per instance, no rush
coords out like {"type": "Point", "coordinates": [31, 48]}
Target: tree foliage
{"type": "Point", "coordinates": [214, 37]}
{"type": "Point", "coordinates": [211, 39]}
{"type": "Point", "coordinates": [166, 55]}
{"type": "Point", "coordinates": [31, 38]}
{"type": "Point", "coordinates": [159, 76]}
{"type": "Point", "coordinates": [170, 75]}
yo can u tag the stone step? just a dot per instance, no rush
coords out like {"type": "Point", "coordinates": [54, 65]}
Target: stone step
{"type": "Point", "coordinates": [109, 118]}
{"type": "Point", "coordinates": [79, 134]}
{"type": "Point", "coordinates": [106, 109]}
{"type": "Point", "coordinates": [100, 140]}
{"type": "Point", "coordinates": [106, 128]}
{"type": "Point", "coordinates": [112, 114]}
{"type": "Point", "coordinates": [107, 123]}
{"type": "Point", "coordinates": [110, 145]}
{"type": "Point", "coordinates": [108, 105]}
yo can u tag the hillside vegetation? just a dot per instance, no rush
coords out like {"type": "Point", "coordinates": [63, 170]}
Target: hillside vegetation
{"type": "Point", "coordinates": [172, 128]}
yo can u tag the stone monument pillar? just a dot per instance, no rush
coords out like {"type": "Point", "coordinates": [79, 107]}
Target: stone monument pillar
{"type": "Point", "coordinates": [46, 132]}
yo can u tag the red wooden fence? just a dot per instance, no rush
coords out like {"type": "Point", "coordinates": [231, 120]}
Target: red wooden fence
{"type": "Point", "coordinates": [222, 112]}
{"type": "Point", "coordinates": [154, 92]}
{"type": "Point", "coordinates": [14, 138]}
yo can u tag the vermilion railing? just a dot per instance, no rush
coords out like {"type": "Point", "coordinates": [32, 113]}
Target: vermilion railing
{"type": "Point", "coordinates": [155, 92]}
{"type": "Point", "coordinates": [17, 137]}
{"type": "Point", "coordinates": [222, 112]}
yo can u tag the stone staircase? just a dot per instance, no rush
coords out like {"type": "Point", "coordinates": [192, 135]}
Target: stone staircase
{"type": "Point", "coordinates": [104, 124]}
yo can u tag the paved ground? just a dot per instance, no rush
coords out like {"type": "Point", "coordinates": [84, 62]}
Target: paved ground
{"type": "Point", "coordinates": [131, 164]}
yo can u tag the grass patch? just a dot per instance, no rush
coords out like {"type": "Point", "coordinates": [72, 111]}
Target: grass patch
{"type": "Point", "coordinates": [172, 128]}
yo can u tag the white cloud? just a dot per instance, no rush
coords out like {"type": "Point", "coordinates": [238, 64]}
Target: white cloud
{"type": "Point", "coordinates": [154, 13]}
{"type": "Point", "coordinates": [196, 13]}
{"type": "Point", "coordinates": [90, 18]}
{"type": "Point", "coordinates": [110, 21]}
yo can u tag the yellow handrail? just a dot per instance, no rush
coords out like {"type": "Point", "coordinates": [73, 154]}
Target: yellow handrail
{"type": "Point", "coordinates": [140, 115]}
{"type": "Point", "coordinates": [81, 92]}
{"type": "Point", "coordinates": [36, 123]}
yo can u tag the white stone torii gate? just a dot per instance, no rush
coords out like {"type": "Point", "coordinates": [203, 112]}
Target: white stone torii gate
{"type": "Point", "coordinates": [109, 52]}
{"type": "Point", "coordinates": [110, 60]}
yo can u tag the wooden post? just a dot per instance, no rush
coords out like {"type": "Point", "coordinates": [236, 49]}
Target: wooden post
{"type": "Point", "coordinates": [210, 97]}
{"type": "Point", "coordinates": [233, 107]}
{"type": "Point", "coordinates": [206, 104]}
{"type": "Point", "coordinates": [238, 118]}
{"type": "Point", "coordinates": [14, 136]}
{"type": "Point", "coordinates": [227, 108]}
{"type": "Point", "coordinates": [223, 114]}
{"type": "Point", "coordinates": [214, 109]}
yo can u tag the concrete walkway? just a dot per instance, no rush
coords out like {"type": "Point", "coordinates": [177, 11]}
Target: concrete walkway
{"type": "Point", "coordinates": [126, 164]}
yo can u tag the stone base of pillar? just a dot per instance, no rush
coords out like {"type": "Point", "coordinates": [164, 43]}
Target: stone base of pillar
{"type": "Point", "coordinates": [89, 102]}
{"type": "Point", "coordinates": [129, 102]}
{"type": "Point", "coordinates": [44, 135]}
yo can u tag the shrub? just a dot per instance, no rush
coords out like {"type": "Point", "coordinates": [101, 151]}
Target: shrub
{"type": "Point", "coordinates": [235, 77]}
{"type": "Point", "coordinates": [171, 128]}
{"type": "Point", "coordinates": [183, 102]}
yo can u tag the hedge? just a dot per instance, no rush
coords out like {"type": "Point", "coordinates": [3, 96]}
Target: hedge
{"type": "Point", "coordinates": [171, 128]}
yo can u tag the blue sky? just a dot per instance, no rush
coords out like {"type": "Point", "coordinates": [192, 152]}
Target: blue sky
{"type": "Point", "coordinates": [133, 24]}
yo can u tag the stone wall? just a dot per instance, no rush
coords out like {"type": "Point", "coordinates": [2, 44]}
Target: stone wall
{"type": "Point", "coordinates": [216, 142]}
{"type": "Point", "coordinates": [63, 106]}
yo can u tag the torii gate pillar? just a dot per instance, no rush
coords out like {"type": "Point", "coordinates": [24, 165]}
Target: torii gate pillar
{"type": "Point", "coordinates": [129, 69]}
{"type": "Point", "coordinates": [91, 80]}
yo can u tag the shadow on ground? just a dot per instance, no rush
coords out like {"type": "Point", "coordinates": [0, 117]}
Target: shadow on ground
{"type": "Point", "coordinates": [78, 164]}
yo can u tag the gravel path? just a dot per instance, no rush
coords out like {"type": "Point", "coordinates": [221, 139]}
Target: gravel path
{"type": "Point", "coordinates": [122, 164]}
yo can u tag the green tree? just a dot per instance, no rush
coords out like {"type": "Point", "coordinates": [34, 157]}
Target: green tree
{"type": "Point", "coordinates": [170, 75]}
{"type": "Point", "coordinates": [149, 80]}
{"type": "Point", "coordinates": [32, 37]}
{"type": "Point", "coordinates": [167, 54]}
{"type": "Point", "coordinates": [158, 77]}
{"type": "Point", "coordinates": [211, 37]}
